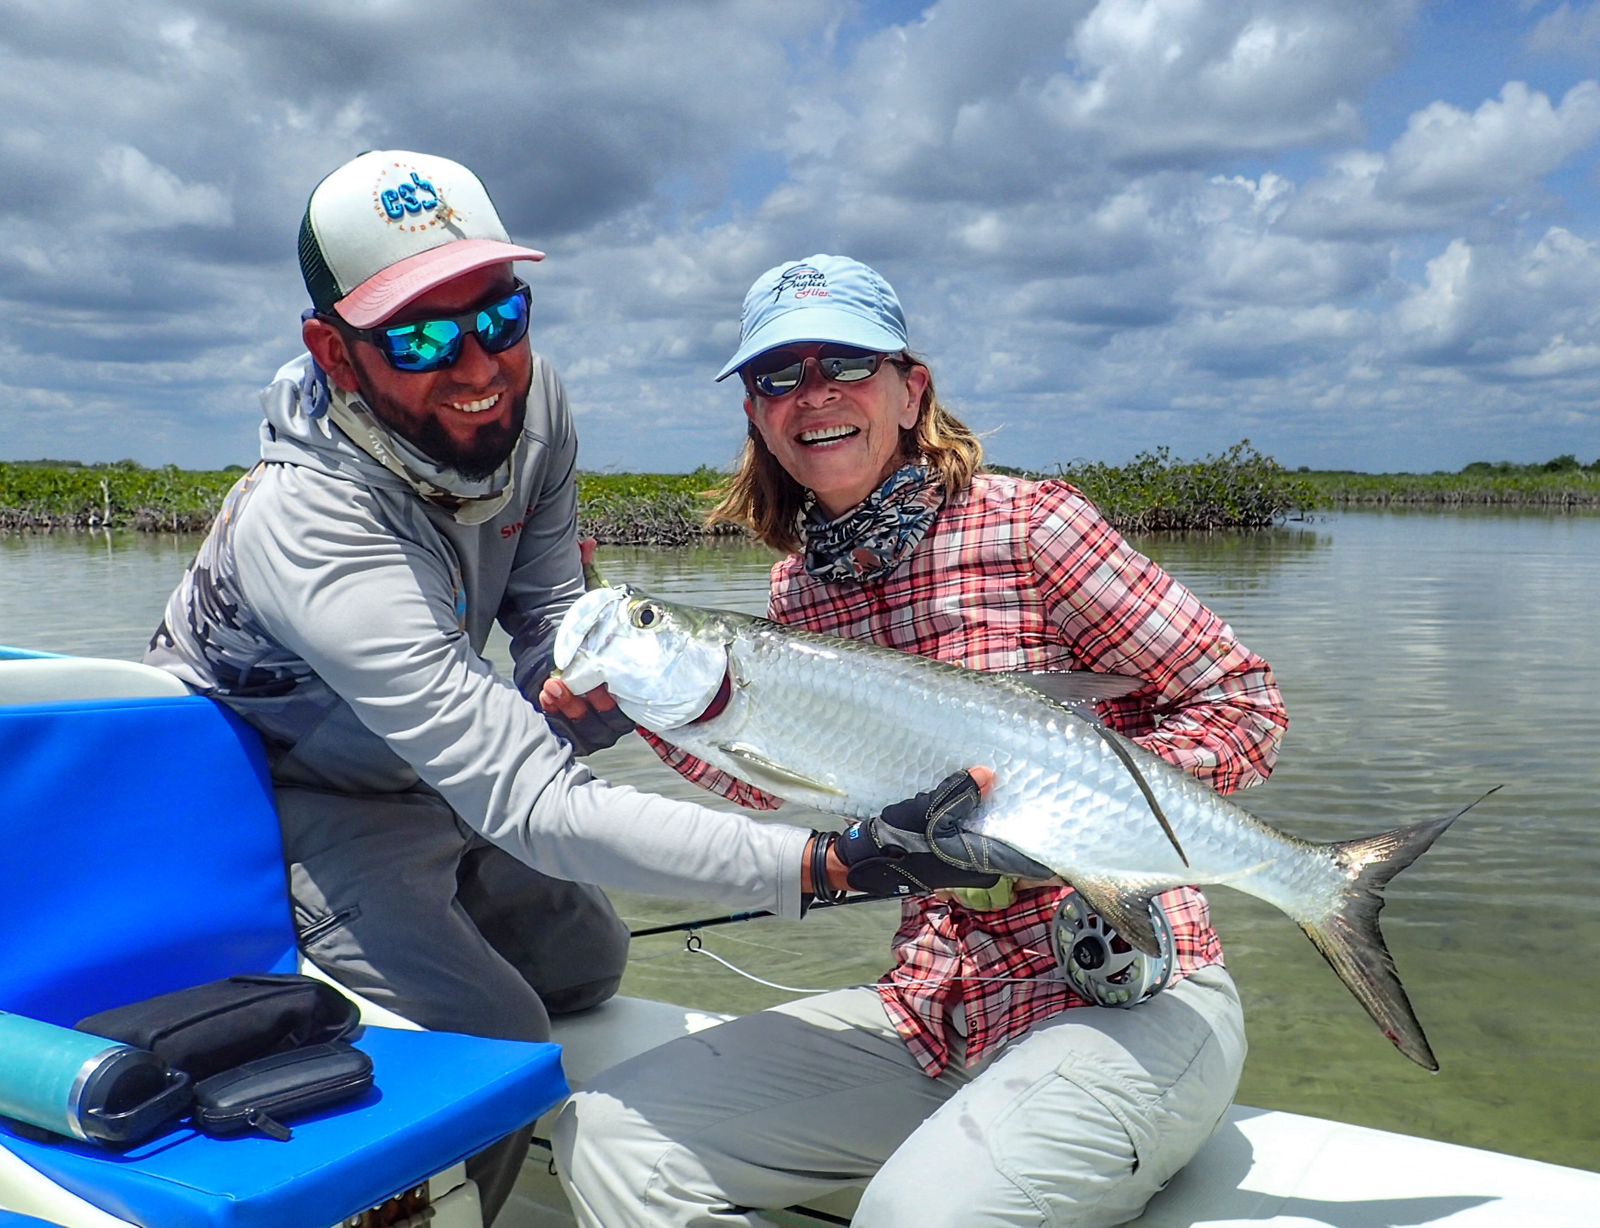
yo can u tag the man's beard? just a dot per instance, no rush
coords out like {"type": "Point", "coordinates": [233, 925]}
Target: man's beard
{"type": "Point", "coordinates": [486, 452]}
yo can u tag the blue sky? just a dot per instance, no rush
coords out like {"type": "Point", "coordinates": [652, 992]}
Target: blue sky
{"type": "Point", "coordinates": [1359, 233]}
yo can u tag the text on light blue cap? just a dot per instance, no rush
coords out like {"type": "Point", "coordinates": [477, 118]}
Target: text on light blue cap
{"type": "Point", "coordinates": [819, 299]}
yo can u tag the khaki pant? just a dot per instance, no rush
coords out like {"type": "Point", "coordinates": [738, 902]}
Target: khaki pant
{"type": "Point", "coordinates": [400, 901]}
{"type": "Point", "coordinates": [1078, 1122]}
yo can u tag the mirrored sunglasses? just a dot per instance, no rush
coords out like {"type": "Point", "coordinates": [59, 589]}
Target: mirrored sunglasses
{"type": "Point", "coordinates": [777, 373]}
{"type": "Point", "coordinates": [432, 345]}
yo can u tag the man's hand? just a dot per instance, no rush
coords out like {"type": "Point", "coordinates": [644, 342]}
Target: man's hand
{"type": "Point", "coordinates": [588, 722]}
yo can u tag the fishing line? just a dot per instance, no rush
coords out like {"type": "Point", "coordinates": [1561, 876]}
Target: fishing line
{"type": "Point", "coordinates": [695, 945]}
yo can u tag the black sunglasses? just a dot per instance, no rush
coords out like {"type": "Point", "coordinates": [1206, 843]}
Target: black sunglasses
{"type": "Point", "coordinates": [421, 346]}
{"type": "Point", "coordinates": [777, 373]}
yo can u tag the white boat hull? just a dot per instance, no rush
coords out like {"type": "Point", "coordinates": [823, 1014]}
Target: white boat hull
{"type": "Point", "coordinates": [1262, 1169]}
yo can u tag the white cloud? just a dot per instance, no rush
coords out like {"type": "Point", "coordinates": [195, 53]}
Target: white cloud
{"type": "Point", "coordinates": [1450, 166]}
{"type": "Point", "coordinates": [1506, 146]}
{"type": "Point", "coordinates": [1501, 311]}
{"type": "Point", "coordinates": [1572, 31]}
{"type": "Point", "coordinates": [140, 195]}
{"type": "Point", "coordinates": [1173, 79]}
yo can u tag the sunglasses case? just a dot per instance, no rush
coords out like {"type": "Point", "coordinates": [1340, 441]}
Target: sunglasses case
{"type": "Point", "coordinates": [256, 1097]}
{"type": "Point", "coordinates": [214, 1027]}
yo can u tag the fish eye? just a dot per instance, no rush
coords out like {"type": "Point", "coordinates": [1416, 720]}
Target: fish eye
{"type": "Point", "coordinates": [645, 616]}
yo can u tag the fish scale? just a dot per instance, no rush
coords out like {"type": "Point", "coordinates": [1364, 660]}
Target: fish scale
{"type": "Point", "coordinates": [853, 727]}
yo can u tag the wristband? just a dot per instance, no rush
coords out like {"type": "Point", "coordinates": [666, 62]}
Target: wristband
{"type": "Point", "coordinates": [820, 846]}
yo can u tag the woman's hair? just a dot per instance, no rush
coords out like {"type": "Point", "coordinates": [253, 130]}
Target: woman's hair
{"type": "Point", "coordinates": [762, 497]}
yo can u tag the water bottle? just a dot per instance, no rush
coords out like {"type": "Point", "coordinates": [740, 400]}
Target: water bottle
{"type": "Point", "coordinates": [85, 1087]}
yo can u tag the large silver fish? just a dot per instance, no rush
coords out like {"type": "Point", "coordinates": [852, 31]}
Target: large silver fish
{"type": "Point", "coordinates": [850, 728]}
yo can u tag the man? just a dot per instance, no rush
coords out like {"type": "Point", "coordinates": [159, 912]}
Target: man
{"type": "Point", "coordinates": [416, 485]}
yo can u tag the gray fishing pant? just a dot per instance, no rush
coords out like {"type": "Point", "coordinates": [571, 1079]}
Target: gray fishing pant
{"type": "Point", "coordinates": [1077, 1122]}
{"type": "Point", "coordinates": [400, 901]}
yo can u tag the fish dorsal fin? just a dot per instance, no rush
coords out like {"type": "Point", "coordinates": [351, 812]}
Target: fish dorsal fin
{"type": "Point", "coordinates": [1125, 909]}
{"type": "Point", "coordinates": [762, 772]}
{"type": "Point", "coordinates": [1074, 687]}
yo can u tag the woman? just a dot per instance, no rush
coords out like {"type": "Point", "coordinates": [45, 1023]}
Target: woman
{"type": "Point", "coordinates": [971, 1085]}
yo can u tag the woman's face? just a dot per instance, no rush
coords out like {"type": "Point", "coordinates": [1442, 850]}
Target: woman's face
{"type": "Point", "coordinates": [839, 441]}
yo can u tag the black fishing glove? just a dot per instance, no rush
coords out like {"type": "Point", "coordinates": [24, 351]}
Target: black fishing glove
{"type": "Point", "coordinates": [929, 825]}
{"type": "Point", "coordinates": [890, 856]}
{"type": "Point", "coordinates": [595, 730]}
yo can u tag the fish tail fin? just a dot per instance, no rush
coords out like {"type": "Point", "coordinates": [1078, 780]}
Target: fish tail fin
{"type": "Point", "coordinates": [592, 579]}
{"type": "Point", "coordinates": [1349, 937]}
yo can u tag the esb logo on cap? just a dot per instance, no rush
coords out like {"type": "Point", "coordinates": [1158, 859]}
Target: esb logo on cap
{"type": "Point", "coordinates": [411, 201]}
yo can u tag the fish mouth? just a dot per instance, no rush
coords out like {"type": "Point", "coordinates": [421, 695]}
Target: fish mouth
{"type": "Point", "coordinates": [583, 632]}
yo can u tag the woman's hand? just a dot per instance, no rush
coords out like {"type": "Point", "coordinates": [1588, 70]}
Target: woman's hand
{"type": "Point", "coordinates": [893, 855]}
{"type": "Point", "coordinates": [930, 825]}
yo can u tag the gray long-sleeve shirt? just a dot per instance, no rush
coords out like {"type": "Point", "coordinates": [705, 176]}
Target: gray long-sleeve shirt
{"type": "Point", "coordinates": [344, 617]}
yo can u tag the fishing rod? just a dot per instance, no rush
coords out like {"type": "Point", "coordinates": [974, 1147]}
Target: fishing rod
{"type": "Point", "coordinates": [706, 923]}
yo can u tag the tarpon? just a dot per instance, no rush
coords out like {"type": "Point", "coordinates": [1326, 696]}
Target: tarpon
{"type": "Point", "coordinates": [851, 728]}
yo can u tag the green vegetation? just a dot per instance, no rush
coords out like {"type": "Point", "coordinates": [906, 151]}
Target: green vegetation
{"type": "Point", "coordinates": [120, 495]}
{"type": "Point", "coordinates": [647, 509]}
{"type": "Point", "coordinates": [1562, 482]}
{"type": "Point", "coordinates": [1241, 488]}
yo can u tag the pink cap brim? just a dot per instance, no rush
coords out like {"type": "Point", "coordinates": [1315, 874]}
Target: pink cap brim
{"type": "Point", "coordinates": [386, 292]}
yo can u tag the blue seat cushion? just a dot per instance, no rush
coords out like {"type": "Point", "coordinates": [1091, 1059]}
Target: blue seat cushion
{"type": "Point", "coordinates": [145, 856]}
{"type": "Point", "coordinates": [438, 1098]}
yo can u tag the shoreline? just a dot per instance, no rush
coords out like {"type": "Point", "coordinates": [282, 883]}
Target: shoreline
{"type": "Point", "coordinates": [1238, 489]}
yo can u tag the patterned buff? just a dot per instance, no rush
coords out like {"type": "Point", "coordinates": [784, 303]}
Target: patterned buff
{"type": "Point", "coordinates": [870, 540]}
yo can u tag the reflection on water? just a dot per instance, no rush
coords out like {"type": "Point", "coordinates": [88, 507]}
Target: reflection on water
{"type": "Point", "coordinates": [1425, 658]}
{"type": "Point", "coordinates": [95, 594]}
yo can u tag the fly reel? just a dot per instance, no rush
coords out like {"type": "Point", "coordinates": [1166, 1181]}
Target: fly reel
{"type": "Point", "coordinates": [1102, 965]}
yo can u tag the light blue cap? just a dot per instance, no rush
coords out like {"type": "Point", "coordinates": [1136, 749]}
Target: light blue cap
{"type": "Point", "coordinates": [821, 298]}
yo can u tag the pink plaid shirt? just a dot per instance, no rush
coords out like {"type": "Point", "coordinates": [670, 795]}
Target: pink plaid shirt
{"type": "Point", "coordinates": [1017, 575]}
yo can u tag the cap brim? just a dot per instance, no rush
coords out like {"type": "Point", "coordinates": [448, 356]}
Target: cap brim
{"type": "Point", "coordinates": [815, 325]}
{"type": "Point", "coordinates": [387, 291]}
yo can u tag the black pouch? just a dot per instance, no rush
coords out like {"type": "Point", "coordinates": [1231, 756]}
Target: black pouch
{"type": "Point", "coordinates": [214, 1027]}
{"type": "Point", "coordinates": [260, 1094]}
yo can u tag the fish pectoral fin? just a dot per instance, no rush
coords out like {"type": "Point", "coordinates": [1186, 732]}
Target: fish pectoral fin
{"type": "Point", "coordinates": [1074, 687]}
{"type": "Point", "coordinates": [1124, 909]}
{"type": "Point", "coordinates": [1122, 753]}
{"type": "Point", "coordinates": [765, 774]}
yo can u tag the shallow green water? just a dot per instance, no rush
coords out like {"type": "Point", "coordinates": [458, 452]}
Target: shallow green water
{"type": "Point", "coordinates": [1425, 657]}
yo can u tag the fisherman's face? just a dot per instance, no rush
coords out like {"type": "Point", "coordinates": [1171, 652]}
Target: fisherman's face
{"type": "Point", "coordinates": [840, 441]}
{"type": "Point", "coordinates": [467, 416]}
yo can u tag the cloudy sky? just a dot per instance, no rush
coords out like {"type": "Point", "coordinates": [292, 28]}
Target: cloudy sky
{"type": "Point", "coordinates": [1359, 233]}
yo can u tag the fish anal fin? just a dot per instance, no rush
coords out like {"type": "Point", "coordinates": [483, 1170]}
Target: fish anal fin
{"type": "Point", "coordinates": [762, 772]}
{"type": "Point", "coordinates": [1124, 909]}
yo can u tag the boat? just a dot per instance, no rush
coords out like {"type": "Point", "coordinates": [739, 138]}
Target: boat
{"type": "Point", "coordinates": [120, 834]}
